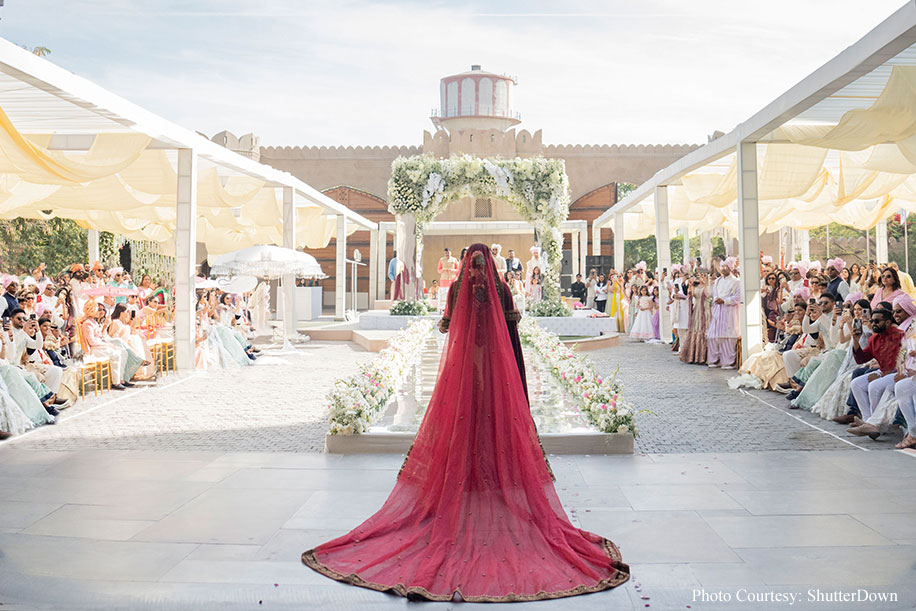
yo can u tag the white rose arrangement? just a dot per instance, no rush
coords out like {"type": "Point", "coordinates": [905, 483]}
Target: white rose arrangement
{"type": "Point", "coordinates": [600, 399]}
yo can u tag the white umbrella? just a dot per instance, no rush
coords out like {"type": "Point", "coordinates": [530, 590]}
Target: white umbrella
{"type": "Point", "coordinates": [268, 262]}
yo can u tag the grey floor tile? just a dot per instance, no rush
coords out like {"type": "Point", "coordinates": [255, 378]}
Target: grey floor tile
{"type": "Point", "coordinates": [86, 521]}
{"type": "Point", "coordinates": [898, 527]}
{"type": "Point", "coordinates": [351, 507]}
{"type": "Point", "coordinates": [20, 514]}
{"type": "Point", "coordinates": [140, 469]}
{"type": "Point", "coordinates": [664, 473]}
{"type": "Point", "coordinates": [310, 479]}
{"type": "Point", "coordinates": [723, 574]}
{"type": "Point", "coordinates": [592, 496]}
{"type": "Point", "coordinates": [228, 516]}
{"type": "Point", "coordinates": [833, 566]}
{"type": "Point", "coordinates": [65, 557]}
{"type": "Point", "coordinates": [288, 544]}
{"type": "Point", "coordinates": [799, 502]}
{"type": "Point", "coordinates": [659, 497]}
{"type": "Point", "coordinates": [244, 571]}
{"type": "Point", "coordinates": [795, 531]}
{"type": "Point", "coordinates": [659, 536]}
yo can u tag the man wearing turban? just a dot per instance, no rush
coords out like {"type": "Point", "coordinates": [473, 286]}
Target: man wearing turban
{"type": "Point", "coordinates": [724, 331]}
{"type": "Point", "coordinates": [837, 286]}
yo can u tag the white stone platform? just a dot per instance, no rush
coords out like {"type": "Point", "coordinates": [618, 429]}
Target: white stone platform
{"type": "Point", "coordinates": [580, 324]}
{"type": "Point", "coordinates": [585, 442]}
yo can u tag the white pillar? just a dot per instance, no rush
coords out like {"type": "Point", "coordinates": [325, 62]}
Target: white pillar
{"type": "Point", "coordinates": [382, 258]}
{"type": "Point", "coordinates": [706, 249]}
{"type": "Point", "coordinates": [749, 250]}
{"type": "Point", "coordinates": [289, 280]}
{"type": "Point", "coordinates": [93, 239]}
{"type": "Point", "coordinates": [340, 284]}
{"type": "Point", "coordinates": [881, 242]}
{"type": "Point", "coordinates": [663, 248]}
{"type": "Point", "coordinates": [185, 259]}
{"type": "Point", "coordinates": [574, 240]}
{"type": "Point", "coordinates": [596, 240]}
{"type": "Point", "coordinates": [619, 244]}
{"type": "Point", "coordinates": [804, 241]}
{"type": "Point", "coordinates": [685, 238]}
{"type": "Point", "coordinates": [583, 248]}
{"type": "Point", "coordinates": [373, 267]}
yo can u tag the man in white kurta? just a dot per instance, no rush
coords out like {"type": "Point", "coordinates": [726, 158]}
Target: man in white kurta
{"type": "Point", "coordinates": [536, 261]}
{"type": "Point", "coordinates": [724, 326]}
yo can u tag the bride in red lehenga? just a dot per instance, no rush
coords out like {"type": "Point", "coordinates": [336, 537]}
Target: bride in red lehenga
{"type": "Point", "coordinates": [474, 512]}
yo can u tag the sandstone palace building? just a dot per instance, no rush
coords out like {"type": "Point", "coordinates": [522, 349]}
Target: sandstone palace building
{"type": "Point", "coordinates": [475, 117]}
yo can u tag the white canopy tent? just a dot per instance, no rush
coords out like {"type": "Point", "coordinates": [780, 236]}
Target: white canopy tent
{"type": "Point", "coordinates": [71, 149]}
{"type": "Point", "coordinates": [838, 146]}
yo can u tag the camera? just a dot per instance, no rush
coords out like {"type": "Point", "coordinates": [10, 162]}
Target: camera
{"type": "Point", "coordinates": [857, 325]}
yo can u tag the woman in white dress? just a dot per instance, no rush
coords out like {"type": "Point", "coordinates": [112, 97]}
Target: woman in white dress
{"type": "Point", "coordinates": [601, 290]}
{"type": "Point", "coordinates": [642, 326]}
{"type": "Point", "coordinates": [590, 284]}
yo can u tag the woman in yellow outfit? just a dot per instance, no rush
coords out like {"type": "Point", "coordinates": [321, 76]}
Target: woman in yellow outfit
{"type": "Point", "coordinates": [616, 307]}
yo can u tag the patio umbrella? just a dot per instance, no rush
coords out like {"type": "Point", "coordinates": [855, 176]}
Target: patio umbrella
{"type": "Point", "coordinates": [110, 291]}
{"type": "Point", "coordinates": [268, 262]}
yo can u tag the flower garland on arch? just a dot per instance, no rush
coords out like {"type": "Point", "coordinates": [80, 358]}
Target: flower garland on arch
{"type": "Point", "coordinates": [423, 185]}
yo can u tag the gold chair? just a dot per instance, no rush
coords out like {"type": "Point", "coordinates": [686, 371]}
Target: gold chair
{"type": "Point", "coordinates": [93, 368]}
{"type": "Point", "coordinates": [168, 355]}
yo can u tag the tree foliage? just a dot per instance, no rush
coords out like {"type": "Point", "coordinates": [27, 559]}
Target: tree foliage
{"type": "Point", "coordinates": [24, 243]}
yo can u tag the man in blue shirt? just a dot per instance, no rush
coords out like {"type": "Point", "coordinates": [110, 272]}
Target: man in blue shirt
{"type": "Point", "coordinates": [393, 270]}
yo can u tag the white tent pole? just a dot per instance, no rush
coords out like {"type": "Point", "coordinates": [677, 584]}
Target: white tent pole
{"type": "Point", "coordinates": [382, 269]}
{"type": "Point", "coordinates": [685, 238]}
{"type": "Point", "coordinates": [596, 239]}
{"type": "Point", "coordinates": [663, 248]}
{"type": "Point", "coordinates": [93, 239]}
{"type": "Point", "coordinates": [749, 250]}
{"type": "Point", "coordinates": [867, 246]}
{"type": "Point", "coordinates": [904, 215]}
{"type": "Point", "coordinates": [805, 238]}
{"type": "Point", "coordinates": [340, 288]}
{"type": "Point", "coordinates": [619, 244]}
{"type": "Point", "coordinates": [828, 240]}
{"type": "Point", "coordinates": [289, 280]}
{"type": "Point", "coordinates": [185, 258]}
{"type": "Point", "coordinates": [583, 248]}
{"type": "Point", "coordinates": [373, 267]}
{"type": "Point", "coordinates": [881, 242]}
{"type": "Point", "coordinates": [574, 242]}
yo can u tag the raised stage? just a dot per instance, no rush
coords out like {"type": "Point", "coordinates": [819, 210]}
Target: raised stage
{"type": "Point", "coordinates": [580, 324]}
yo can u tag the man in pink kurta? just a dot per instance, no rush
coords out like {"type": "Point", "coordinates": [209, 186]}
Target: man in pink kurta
{"type": "Point", "coordinates": [448, 269]}
{"type": "Point", "coordinates": [725, 322]}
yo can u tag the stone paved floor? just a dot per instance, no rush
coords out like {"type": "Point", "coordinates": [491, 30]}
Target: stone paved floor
{"type": "Point", "coordinates": [277, 405]}
{"type": "Point", "coordinates": [692, 409]}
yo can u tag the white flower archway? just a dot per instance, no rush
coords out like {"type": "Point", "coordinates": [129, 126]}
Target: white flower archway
{"type": "Point", "coordinates": [421, 186]}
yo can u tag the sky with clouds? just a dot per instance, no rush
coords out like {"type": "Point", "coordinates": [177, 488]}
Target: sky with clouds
{"type": "Point", "coordinates": [356, 72]}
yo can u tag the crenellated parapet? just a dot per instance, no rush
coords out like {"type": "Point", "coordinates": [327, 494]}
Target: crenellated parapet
{"type": "Point", "coordinates": [563, 150]}
{"type": "Point", "coordinates": [338, 152]}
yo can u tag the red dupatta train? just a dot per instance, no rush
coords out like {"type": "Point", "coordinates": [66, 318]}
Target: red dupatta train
{"type": "Point", "coordinates": [474, 511]}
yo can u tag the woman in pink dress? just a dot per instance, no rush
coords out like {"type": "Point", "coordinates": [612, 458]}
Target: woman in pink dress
{"type": "Point", "coordinates": [474, 512]}
{"type": "Point", "coordinates": [889, 288]}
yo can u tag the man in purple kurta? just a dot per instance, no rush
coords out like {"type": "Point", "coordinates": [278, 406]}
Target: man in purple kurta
{"type": "Point", "coordinates": [725, 322]}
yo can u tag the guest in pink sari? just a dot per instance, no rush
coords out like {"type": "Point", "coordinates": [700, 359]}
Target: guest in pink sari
{"type": "Point", "coordinates": [474, 512]}
{"type": "Point", "coordinates": [889, 289]}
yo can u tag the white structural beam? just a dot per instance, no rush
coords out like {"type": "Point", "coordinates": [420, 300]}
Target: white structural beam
{"type": "Point", "coordinates": [748, 250]}
{"type": "Point", "coordinates": [706, 249]}
{"type": "Point", "coordinates": [663, 247]}
{"type": "Point", "coordinates": [340, 288]}
{"type": "Point", "coordinates": [382, 256]}
{"type": "Point", "coordinates": [619, 244]}
{"type": "Point", "coordinates": [804, 242]}
{"type": "Point", "coordinates": [93, 238]}
{"type": "Point", "coordinates": [596, 239]}
{"type": "Point", "coordinates": [289, 280]}
{"type": "Point", "coordinates": [685, 241]}
{"type": "Point", "coordinates": [574, 240]}
{"type": "Point", "coordinates": [583, 248]}
{"type": "Point", "coordinates": [881, 242]}
{"type": "Point", "coordinates": [373, 267]}
{"type": "Point", "coordinates": [185, 259]}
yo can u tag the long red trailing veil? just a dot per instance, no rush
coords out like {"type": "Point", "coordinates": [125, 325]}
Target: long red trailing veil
{"type": "Point", "coordinates": [474, 511]}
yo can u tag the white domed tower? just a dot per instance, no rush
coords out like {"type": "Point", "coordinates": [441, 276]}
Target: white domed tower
{"type": "Point", "coordinates": [476, 100]}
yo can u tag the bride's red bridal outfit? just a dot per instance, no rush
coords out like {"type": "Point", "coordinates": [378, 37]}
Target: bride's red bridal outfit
{"type": "Point", "coordinates": [474, 511]}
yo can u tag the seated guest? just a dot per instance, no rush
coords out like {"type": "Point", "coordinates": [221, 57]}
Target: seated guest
{"type": "Point", "coordinates": [122, 330]}
{"type": "Point", "coordinates": [884, 412]}
{"type": "Point", "coordinates": [769, 366]}
{"type": "Point", "coordinates": [37, 361]}
{"type": "Point", "coordinates": [889, 288]}
{"type": "Point", "coordinates": [96, 346]}
{"type": "Point", "coordinates": [829, 384]}
{"type": "Point", "coordinates": [820, 328]}
{"type": "Point", "coordinates": [25, 392]}
{"type": "Point", "coordinates": [10, 288]}
{"type": "Point", "coordinates": [883, 346]}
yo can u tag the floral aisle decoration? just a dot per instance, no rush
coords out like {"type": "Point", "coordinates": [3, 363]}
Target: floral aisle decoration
{"type": "Point", "coordinates": [423, 185]}
{"type": "Point", "coordinates": [600, 399]}
{"type": "Point", "coordinates": [409, 308]}
{"type": "Point", "coordinates": [356, 401]}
